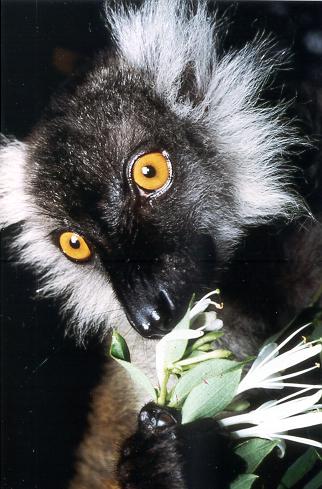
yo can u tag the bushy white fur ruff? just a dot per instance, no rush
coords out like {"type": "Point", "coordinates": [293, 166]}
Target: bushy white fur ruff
{"type": "Point", "coordinates": [164, 39]}
{"type": "Point", "coordinates": [89, 300]}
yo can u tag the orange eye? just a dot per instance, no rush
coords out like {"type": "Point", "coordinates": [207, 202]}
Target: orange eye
{"type": "Point", "coordinates": [74, 246]}
{"type": "Point", "coordinates": [152, 171]}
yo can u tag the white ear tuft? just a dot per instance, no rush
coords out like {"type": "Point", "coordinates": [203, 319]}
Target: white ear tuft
{"type": "Point", "coordinates": [13, 200]}
{"type": "Point", "coordinates": [165, 39]}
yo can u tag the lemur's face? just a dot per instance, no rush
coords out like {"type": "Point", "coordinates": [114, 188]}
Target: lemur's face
{"type": "Point", "coordinates": [135, 189]}
{"type": "Point", "coordinates": [129, 186]}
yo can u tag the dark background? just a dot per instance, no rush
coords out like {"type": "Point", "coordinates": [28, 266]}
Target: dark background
{"type": "Point", "coordinates": [46, 378]}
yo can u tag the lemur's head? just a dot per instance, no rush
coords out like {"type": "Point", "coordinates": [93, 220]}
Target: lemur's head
{"type": "Point", "coordinates": [139, 182]}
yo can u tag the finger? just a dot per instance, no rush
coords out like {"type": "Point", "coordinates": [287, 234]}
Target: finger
{"type": "Point", "coordinates": [154, 418]}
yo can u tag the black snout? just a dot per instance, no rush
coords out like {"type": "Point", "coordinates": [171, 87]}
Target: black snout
{"type": "Point", "coordinates": [154, 318]}
{"type": "Point", "coordinates": [155, 291]}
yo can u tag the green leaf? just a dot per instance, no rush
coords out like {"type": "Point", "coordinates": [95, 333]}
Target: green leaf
{"type": "Point", "coordinates": [299, 469]}
{"type": "Point", "coordinates": [315, 483]}
{"type": "Point", "coordinates": [317, 332]}
{"type": "Point", "coordinates": [244, 481]}
{"type": "Point", "coordinates": [139, 378]}
{"type": "Point", "coordinates": [211, 396]}
{"type": "Point", "coordinates": [238, 406]}
{"type": "Point", "coordinates": [196, 375]}
{"type": "Point", "coordinates": [254, 451]}
{"type": "Point", "coordinates": [119, 351]}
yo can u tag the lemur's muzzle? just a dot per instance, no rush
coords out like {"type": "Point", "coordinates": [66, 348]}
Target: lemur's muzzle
{"type": "Point", "coordinates": [156, 317]}
{"type": "Point", "coordinates": [155, 292]}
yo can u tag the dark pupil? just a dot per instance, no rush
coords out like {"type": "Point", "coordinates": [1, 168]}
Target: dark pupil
{"type": "Point", "coordinates": [74, 242]}
{"type": "Point", "coordinates": [149, 171]}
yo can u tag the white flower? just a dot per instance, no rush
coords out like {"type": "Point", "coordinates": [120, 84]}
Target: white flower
{"type": "Point", "coordinates": [265, 371]}
{"type": "Point", "coordinates": [274, 419]}
{"type": "Point", "coordinates": [203, 304]}
{"type": "Point", "coordinates": [211, 322]}
{"type": "Point", "coordinates": [172, 346]}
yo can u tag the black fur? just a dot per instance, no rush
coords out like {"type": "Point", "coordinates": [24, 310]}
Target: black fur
{"type": "Point", "coordinates": [78, 157]}
{"type": "Point", "coordinates": [166, 455]}
{"type": "Point", "coordinates": [148, 247]}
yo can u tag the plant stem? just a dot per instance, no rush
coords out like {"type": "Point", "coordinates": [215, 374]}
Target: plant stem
{"type": "Point", "coordinates": [163, 389]}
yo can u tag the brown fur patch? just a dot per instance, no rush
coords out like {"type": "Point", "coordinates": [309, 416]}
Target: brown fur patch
{"type": "Point", "coordinates": [112, 419]}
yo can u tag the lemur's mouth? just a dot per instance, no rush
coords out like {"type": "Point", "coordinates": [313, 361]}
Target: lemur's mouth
{"type": "Point", "coordinates": [155, 293]}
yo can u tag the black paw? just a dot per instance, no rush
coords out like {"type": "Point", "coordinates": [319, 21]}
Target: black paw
{"type": "Point", "coordinates": [163, 454]}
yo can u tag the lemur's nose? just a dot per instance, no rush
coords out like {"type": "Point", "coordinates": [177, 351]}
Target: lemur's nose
{"type": "Point", "coordinates": [157, 319]}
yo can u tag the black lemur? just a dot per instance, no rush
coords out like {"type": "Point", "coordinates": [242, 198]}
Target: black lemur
{"type": "Point", "coordinates": [168, 168]}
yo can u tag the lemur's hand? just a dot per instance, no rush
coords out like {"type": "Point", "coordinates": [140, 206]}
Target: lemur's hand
{"type": "Point", "coordinates": [163, 454]}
